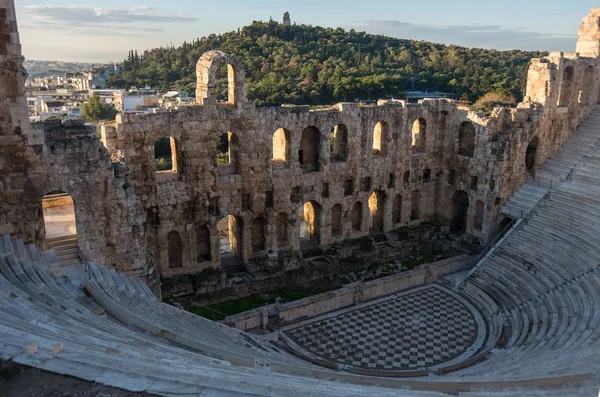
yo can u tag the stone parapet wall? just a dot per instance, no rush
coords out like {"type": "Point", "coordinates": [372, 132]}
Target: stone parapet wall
{"type": "Point", "coordinates": [349, 295]}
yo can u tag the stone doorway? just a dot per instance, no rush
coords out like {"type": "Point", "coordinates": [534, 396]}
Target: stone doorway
{"type": "Point", "coordinates": [530, 156]}
{"type": "Point", "coordinates": [60, 228]}
{"type": "Point", "coordinates": [376, 210]}
{"type": "Point", "coordinates": [460, 210]}
{"type": "Point", "coordinates": [310, 229]}
{"type": "Point", "coordinates": [231, 245]}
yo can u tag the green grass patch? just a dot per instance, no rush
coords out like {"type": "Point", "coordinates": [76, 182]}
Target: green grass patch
{"type": "Point", "coordinates": [228, 308]}
{"type": "Point", "coordinates": [290, 295]}
{"type": "Point", "coordinates": [219, 311]}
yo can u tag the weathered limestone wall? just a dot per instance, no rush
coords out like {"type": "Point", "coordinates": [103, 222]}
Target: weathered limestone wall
{"type": "Point", "coordinates": [67, 157]}
{"type": "Point", "coordinates": [268, 180]}
{"type": "Point", "coordinates": [131, 217]}
{"type": "Point", "coordinates": [184, 201]}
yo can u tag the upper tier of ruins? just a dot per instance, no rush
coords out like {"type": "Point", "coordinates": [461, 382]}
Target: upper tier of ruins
{"type": "Point", "coordinates": [353, 169]}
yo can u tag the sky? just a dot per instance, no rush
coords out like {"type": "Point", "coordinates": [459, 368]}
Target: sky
{"type": "Point", "coordinates": [102, 31]}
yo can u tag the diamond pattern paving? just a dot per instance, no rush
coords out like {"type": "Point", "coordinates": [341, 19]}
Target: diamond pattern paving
{"type": "Point", "coordinates": [414, 331]}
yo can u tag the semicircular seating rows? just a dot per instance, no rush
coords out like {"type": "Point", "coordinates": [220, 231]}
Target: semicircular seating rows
{"type": "Point", "coordinates": [545, 276]}
{"type": "Point", "coordinates": [543, 280]}
{"type": "Point", "coordinates": [47, 323]}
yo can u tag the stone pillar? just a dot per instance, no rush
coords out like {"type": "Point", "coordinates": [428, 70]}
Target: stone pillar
{"type": "Point", "coordinates": [13, 104]}
{"type": "Point", "coordinates": [588, 44]}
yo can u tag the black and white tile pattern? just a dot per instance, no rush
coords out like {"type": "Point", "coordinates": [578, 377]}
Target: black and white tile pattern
{"type": "Point", "coordinates": [413, 331]}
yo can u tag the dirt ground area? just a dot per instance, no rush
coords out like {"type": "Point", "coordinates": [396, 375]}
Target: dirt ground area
{"type": "Point", "coordinates": [21, 381]}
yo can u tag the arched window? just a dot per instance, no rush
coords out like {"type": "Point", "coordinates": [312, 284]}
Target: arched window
{"type": "Point", "coordinates": [478, 221]}
{"type": "Point", "coordinates": [379, 139]}
{"type": "Point", "coordinates": [336, 221]}
{"type": "Point", "coordinates": [466, 139]}
{"type": "Point", "coordinates": [228, 154]}
{"type": "Point", "coordinates": [338, 143]}
{"type": "Point", "coordinates": [415, 210]}
{"type": "Point", "coordinates": [203, 244]}
{"type": "Point", "coordinates": [281, 139]}
{"type": "Point", "coordinates": [397, 210]}
{"type": "Point", "coordinates": [258, 235]}
{"type": "Point", "coordinates": [308, 153]}
{"type": "Point", "coordinates": [460, 210]}
{"type": "Point", "coordinates": [377, 211]}
{"type": "Point", "coordinates": [357, 216]}
{"type": "Point", "coordinates": [174, 250]}
{"type": "Point", "coordinates": [165, 155]}
{"type": "Point", "coordinates": [585, 94]}
{"type": "Point", "coordinates": [566, 87]}
{"type": "Point", "coordinates": [282, 230]}
{"type": "Point", "coordinates": [418, 135]}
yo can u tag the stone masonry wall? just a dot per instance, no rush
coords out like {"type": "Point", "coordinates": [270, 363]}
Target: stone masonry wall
{"type": "Point", "coordinates": [133, 218]}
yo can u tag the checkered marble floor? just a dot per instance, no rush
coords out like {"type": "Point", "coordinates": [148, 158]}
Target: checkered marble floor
{"type": "Point", "coordinates": [414, 331]}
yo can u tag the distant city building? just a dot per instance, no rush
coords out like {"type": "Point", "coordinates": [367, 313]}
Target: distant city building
{"type": "Point", "coordinates": [174, 99]}
{"type": "Point", "coordinates": [127, 103]}
{"type": "Point", "coordinates": [286, 19]}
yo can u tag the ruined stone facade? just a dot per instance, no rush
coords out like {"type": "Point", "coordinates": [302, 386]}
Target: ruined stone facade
{"type": "Point", "coordinates": [355, 170]}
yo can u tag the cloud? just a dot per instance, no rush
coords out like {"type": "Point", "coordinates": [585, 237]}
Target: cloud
{"type": "Point", "coordinates": [100, 20]}
{"type": "Point", "coordinates": [471, 35]}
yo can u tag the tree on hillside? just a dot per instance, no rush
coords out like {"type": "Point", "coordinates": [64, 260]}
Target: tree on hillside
{"type": "Point", "coordinates": [96, 109]}
{"type": "Point", "coordinates": [304, 64]}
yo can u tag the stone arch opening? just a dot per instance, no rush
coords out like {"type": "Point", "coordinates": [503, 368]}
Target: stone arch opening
{"type": "Point", "coordinates": [585, 94]}
{"type": "Point", "coordinates": [466, 139]}
{"type": "Point", "coordinates": [377, 211]}
{"type": "Point", "coordinates": [308, 153]}
{"type": "Point", "coordinates": [60, 226]}
{"type": "Point", "coordinates": [503, 225]}
{"type": "Point", "coordinates": [530, 155]}
{"type": "Point", "coordinates": [460, 210]}
{"type": "Point", "coordinates": [207, 75]}
{"type": "Point", "coordinates": [310, 225]}
{"type": "Point", "coordinates": [231, 245]}
{"type": "Point", "coordinates": [357, 209]}
{"type": "Point", "coordinates": [223, 75]}
{"type": "Point", "coordinates": [419, 129]}
{"type": "Point", "coordinates": [415, 205]}
{"type": "Point", "coordinates": [174, 250]}
{"type": "Point", "coordinates": [336, 221]}
{"type": "Point", "coordinates": [228, 154]}
{"type": "Point", "coordinates": [282, 230]}
{"type": "Point", "coordinates": [479, 212]}
{"type": "Point", "coordinates": [397, 210]}
{"type": "Point", "coordinates": [203, 245]}
{"type": "Point", "coordinates": [566, 88]}
{"type": "Point", "coordinates": [281, 139]}
{"type": "Point", "coordinates": [380, 138]}
{"type": "Point", "coordinates": [338, 142]}
{"type": "Point", "coordinates": [258, 235]}
{"type": "Point", "coordinates": [165, 155]}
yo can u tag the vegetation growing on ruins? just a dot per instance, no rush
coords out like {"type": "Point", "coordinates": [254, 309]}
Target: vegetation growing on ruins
{"type": "Point", "coordinates": [491, 100]}
{"type": "Point", "coordinates": [95, 109]}
{"type": "Point", "coordinates": [312, 65]}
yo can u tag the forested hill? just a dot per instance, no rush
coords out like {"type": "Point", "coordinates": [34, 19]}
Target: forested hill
{"type": "Point", "coordinates": [312, 65]}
